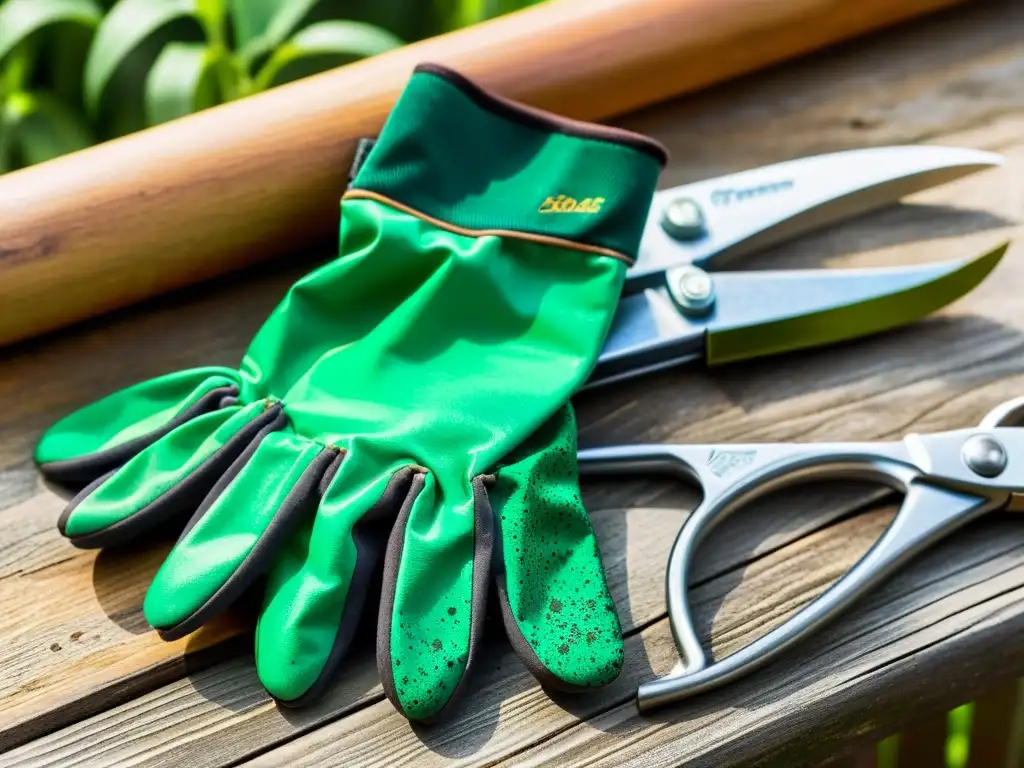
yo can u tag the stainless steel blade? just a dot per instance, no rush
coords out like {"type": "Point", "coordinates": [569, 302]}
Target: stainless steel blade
{"type": "Point", "coordinates": [763, 313]}
{"type": "Point", "coordinates": [729, 216]}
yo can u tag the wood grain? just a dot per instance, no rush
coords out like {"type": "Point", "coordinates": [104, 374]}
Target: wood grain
{"type": "Point", "coordinates": [262, 177]}
{"type": "Point", "coordinates": [72, 629]}
{"type": "Point", "coordinates": [895, 650]}
{"type": "Point", "coordinates": [944, 630]}
{"type": "Point", "coordinates": [194, 728]}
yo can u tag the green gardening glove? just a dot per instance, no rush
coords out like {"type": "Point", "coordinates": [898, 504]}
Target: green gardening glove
{"type": "Point", "coordinates": [404, 409]}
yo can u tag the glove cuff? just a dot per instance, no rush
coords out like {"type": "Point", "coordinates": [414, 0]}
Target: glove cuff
{"type": "Point", "coordinates": [477, 163]}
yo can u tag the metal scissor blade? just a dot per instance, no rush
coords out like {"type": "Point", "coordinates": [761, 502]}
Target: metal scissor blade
{"type": "Point", "coordinates": [785, 311]}
{"type": "Point", "coordinates": [753, 209]}
{"type": "Point", "coordinates": [763, 313]}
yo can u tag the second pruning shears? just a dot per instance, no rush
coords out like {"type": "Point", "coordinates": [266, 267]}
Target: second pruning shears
{"type": "Point", "coordinates": [674, 310]}
{"type": "Point", "coordinates": [948, 478]}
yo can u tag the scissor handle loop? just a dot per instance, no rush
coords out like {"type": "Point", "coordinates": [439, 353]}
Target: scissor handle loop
{"type": "Point", "coordinates": [927, 514]}
{"type": "Point", "coordinates": [943, 491]}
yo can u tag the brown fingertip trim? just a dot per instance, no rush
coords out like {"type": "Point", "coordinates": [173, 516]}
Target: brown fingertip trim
{"type": "Point", "coordinates": [515, 635]}
{"type": "Point", "coordinates": [483, 557]}
{"type": "Point", "coordinates": [85, 469]}
{"type": "Point", "coordinates": [533, 237]}
{"type": "Point", "coordinates": [483, 548]}
{"type": "Point", "coordinates": [301, 501]}
{"type": "Point", "coordinates": [392, 560]}
{"type": "Point", "coordinates": [548, 121]}
{"type": "Point", "coordinates": [523, 648]}
{"type": "Point", "coordinates": [370, 535]}
{"type": "Point", "coordinates": [178, 499]}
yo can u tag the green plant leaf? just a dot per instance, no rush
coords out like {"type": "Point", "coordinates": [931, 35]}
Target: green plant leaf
{"type": "Point", "coordinates": [286, 20]}
{"type": "Point", "coordinates": [39, 127]}
{"type": "Point", "coordinates": [408, 19]}
{"type": "Point", "coordinates": [465, 12]}
{"type": "Point", "coordinates": [20, 19]}
{"type": "Point", "coordinates": [128, 25]}
{"type": "Point", "coordinates": [322, 46]}
{"type": "Point", "coordinates": [252, 18]}
{"type": "Point", "coordinates": [213, 14]}
{"type": "Point", "coordinates": [14, 71]}
{"type": "Point", "coordinates": [9, 120]}
{"type": "Point", "coordinates": [52, 130]}
{"type": "Point", "coordinates": [469, 12]}
{"type": "Point", "coordinates": [62, 50]}
{"type": "Point", "coordinates": [182, 81]}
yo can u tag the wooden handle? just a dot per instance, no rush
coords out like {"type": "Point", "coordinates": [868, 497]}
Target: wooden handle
{"type": "Point", "coordinates": [259, 177]}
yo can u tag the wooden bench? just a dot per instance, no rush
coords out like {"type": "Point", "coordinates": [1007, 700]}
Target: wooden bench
{"type": "Point", "coordinates": [86, 682]}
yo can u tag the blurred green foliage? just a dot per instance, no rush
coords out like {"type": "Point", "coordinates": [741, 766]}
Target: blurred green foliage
{"type": "Point", "coordinates": [74, 72]}
{"type": "Point", "coordinates": [959, 722]}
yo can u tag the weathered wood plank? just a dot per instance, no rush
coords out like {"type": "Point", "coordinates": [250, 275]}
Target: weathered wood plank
{"type": "Point", "coordinates": [866, 757]}
{"type": "Point", "coordinates": [788, 702]}
{"type": "Point", "coordinates": [188, 718]}
{"type": "Point", "coordinates": [529, 715]}
{"type": "Point", "coordinates": [956, 80]}
{"type": "Point", "coordinates": [922, 641]}
{"type": "Point", "coordinates": [76, 626]}
{"type": "Point", "coordinates": [72, 636]}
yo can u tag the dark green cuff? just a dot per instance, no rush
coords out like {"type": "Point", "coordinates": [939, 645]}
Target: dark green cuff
{"type": "Point", "coordinates": [453, 152]}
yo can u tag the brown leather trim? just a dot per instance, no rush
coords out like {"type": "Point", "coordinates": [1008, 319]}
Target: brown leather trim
{"type": "Point", "coordinates": [537, 238]}
{"type": "Point", "coordinates": [548, 121]}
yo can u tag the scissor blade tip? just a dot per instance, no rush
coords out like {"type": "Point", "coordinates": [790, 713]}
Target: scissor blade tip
{"type": "Point", "coordinates": [966, 156]}
{"type": "Point", "coordinates": [1002, 248]}
{"type": "Point", "coordinates": [964, 275]}
{"type": "Point", "coordinates": [979, 266]}
{"type": "Point", "coordinates": [844, 304]}
{"type": "Point", "coordinates": [991, 257]}
{"type": "Point", "coordinates": [989, 158]}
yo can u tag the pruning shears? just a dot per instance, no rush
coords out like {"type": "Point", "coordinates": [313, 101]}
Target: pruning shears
{"type": "Point", "coordinates": [675, 310]}
{"type": "Point", "coordinates": [948, 479]}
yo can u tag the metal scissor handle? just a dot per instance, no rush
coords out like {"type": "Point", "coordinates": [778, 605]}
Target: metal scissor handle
{"type": "Point", "coordinates": [732, 476]}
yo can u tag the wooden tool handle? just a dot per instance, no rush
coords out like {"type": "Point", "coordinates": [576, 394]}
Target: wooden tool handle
{"type": "Point", "coordinates": [259, 177]}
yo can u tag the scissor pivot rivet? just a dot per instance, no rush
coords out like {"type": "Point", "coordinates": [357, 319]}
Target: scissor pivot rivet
{"type": "Point", "coordinates": [984, 455]}
{"type": "Point", "coordinates": [683, 219]}
{"type": "Point", "coordinates": [694, 290]}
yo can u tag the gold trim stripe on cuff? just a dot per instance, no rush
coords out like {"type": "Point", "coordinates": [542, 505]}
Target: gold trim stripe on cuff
{"type": "Point", "coordinates": [537, 238]}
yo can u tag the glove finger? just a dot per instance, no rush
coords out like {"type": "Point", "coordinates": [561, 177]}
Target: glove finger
{"type": "Point", "coordinates": [169, 477]}
{"type": "Point", "coordinates": [434, 597]}
{"type": "Point", "coordinates": [317, 587]}
{"type": "Point", "coordinates": [554, 598]}
{"type": "Point", "coordinates": [100, 437]}
{"type": "Point", "coordinates": [235, 533]}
